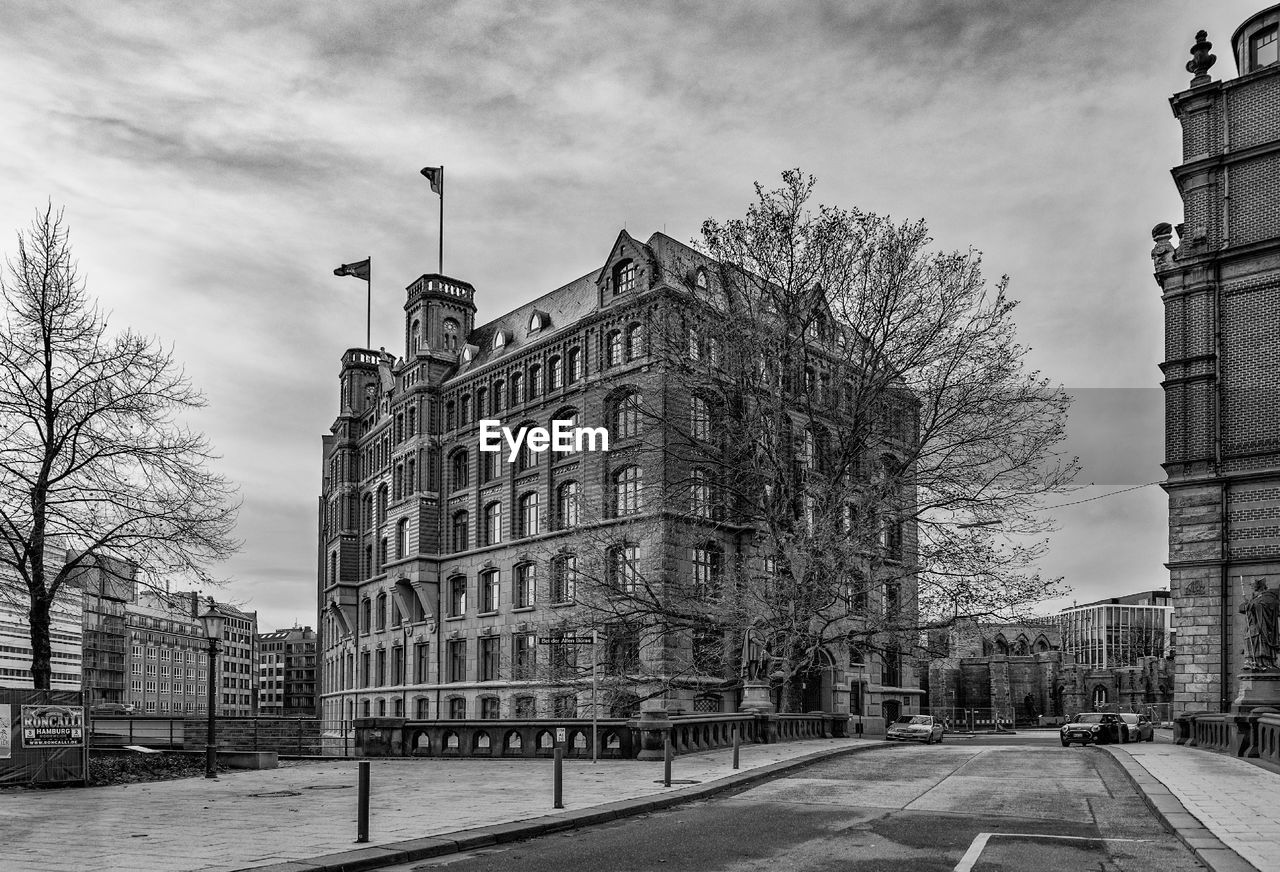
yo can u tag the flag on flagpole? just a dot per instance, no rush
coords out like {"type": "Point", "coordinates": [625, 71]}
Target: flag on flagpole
{"type": "Point", "coordinates": [435, 175]}
{"type": "Point", "coordinates": [359, 269]}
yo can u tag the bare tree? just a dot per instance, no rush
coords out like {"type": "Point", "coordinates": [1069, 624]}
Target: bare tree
{"type": "Point", "coordinates": [97, 471]}
{"type": "Point", "coordinates": [846, 448]}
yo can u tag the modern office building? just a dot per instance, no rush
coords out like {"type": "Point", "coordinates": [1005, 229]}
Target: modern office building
{"type": "Point", "coordinates": [66, 633]}
{"type": "Point", "coordinates": [444, 571]}
{"type": "Point", "coordinates": [1220, 285]}
{"type": "Point", "coordinates": [1118, 631]}
{"type": "Point", "coordinates": [287, 673]}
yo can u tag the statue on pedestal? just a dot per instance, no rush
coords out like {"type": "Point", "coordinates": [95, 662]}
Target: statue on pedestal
{"type": "Point", "coordinates": [1262, 624]}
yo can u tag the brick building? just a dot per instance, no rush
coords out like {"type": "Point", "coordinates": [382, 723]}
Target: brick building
{"type": "Point", "coordinates": [442, 569]}
{"type": "Point", "coordinates": [1221, 292]}
{"type": "Point", "coordinates": [287, 673]}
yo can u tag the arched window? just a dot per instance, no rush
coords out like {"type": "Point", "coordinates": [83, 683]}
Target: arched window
{"type": "Point", "coordinates": [413, 336]}
{"type": "Point", "coordinates": [450, 334]}
{"type": "Point", "coordinates": [517, 388]}
{"type": "Point", "coordinates": [499, 397]}
{"type": "Point", "coordinates": [366, 615]}
{"type": "Point", "coordinates": [482, 402]}
{"type": "Point", "coordinates": [535, 381]}
{"type": "Point", "coordinates": [635, 341]}
{"type": "Point", "coordinates": [626, 491]}
{"type": "Point", "coordinates": [700, 279]}
{"type": "Point", "coordinates": [490, 465]}
{"type": "Point", "coordinates": [450, 415]}
{"type": "Point", "coordinates": [624, 277]}
{"type": "Point", "coordinates": [366, 512]}
{"type": "Point", "coordinates": [493, 523]}
{"type": "Point", "coordinates": [567, 505]}
{"type": "Point", "coordinates": [626, 416]}
{"type": "Point", "coordinates": [411, 421]}
{"type": "Point", "coordinates": [411, 476]}
{"type": "Point", "coordinates": [459, 469]}
{"type": "Point", "coordinates": [564, 577]}
{"type": "Point", "coordinates": [573, 366]}
{"type": "Point", "coordinates": [621, 568]}
{"type": "Point", "coordinates": [523, 583]}
{"type": "Point", "coordinates": [808, 451]}
{"type": "Point", "coordinates": [554, 374]}
{"type": "Point", "coordinates": [529, 514]}
{"type": "Point", "coordinates": [699, 419]}
{"type": "Point", "coordinates": [464, 410]}
{"type": "Point", "coordinates": [381, 614]}
{"type": "Point", "coordinates": [527, 458]}
{"type": "Point", "coordinates": [333, 568]}
{"type": "Point", "coordinates": [402, 538]}
{"type": "Point", "coordinates": [461, 535]}
{"type": "Point", "coordinates": [700, 493]}
{"type": "Point", "coordinates": [382, 504]}
{"type": "Point", "coordinates": [613, 348]}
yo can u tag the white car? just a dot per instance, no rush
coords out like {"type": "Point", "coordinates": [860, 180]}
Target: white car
{"type": "Point", "coordinates": [915, 728]}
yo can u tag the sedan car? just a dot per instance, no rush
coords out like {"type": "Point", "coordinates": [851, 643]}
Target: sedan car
{"type": "Point", "coordinates": [1095, 727]}
{"type": "Point", "coordinates": [1139, 727]}
{"type": "Point", "coordinates": [915, 728]}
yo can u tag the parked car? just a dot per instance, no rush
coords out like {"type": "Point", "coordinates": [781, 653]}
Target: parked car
{"type": "Point", "coordinates": [1139, 727]}
{"type": "Point", "coordinates": [1095, 727]}
{"type": "Point", "coordinates": [915, 728]}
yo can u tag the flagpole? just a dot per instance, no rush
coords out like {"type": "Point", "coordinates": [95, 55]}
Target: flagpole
{"type": "Point", "coordinates": [368, 306]}
{"type": "Point", "coordinates": [441, 261]}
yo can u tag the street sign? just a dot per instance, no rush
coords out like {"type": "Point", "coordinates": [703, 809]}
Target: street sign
{"type": "Point", "coordinates": [564, 640]}
{"type": "Point", "coordinates": [561, 735]}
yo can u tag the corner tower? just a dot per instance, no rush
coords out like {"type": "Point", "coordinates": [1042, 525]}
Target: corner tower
{"type": "Point", "coordinates": [439, 315]}
{"type": "Point", "coordinates": [1220, 283]}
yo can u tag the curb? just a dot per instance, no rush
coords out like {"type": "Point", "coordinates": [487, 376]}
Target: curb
{"type": "Point", "coordinates": [393, 853]}
{"type": "Point", "coordinates": [1208, 848]}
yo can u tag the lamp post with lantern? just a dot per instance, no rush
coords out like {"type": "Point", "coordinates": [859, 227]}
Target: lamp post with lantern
{"type": "Point", "coordinates": [213, 621]}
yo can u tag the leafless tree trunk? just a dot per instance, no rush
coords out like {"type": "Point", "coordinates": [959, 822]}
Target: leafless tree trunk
{"type": "Point", "coordinates": [97, 471]}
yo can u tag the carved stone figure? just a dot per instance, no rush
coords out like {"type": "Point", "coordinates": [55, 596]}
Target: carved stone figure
{"type": "Point", "coordinates": [1261, 614]}
{"type": "Point", "coordinates": [1162, 253]}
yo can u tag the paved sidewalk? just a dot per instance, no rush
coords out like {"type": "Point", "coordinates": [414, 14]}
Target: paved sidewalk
{"type": "Point", "coordinates": [1224, 808]}
{"type": "Point", "coordinates": [306, 810]}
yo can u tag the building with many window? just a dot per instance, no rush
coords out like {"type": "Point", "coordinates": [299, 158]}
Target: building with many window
{"type": "Point", "coordinates": [449, 576]}
{"type": "Point", "coordinates": [1220, 285]}
{"type": "Point", "coordinates": [66, 631]}
{"type": "Point", "coordinates": [287, 673]}
{"type": "Point", "coordinates": [1118, 631]}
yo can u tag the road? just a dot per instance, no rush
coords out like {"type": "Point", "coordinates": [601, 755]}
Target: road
{"type": "Point", "coordinates": [915, 809]}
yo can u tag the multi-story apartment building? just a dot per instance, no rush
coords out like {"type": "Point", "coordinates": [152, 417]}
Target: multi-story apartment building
{"type": "Point", "coordinates": [287, 673]}
{"type": "Point", "coordinates": [109, 588]}
{"type": "Point", "coordinates": [1119, 631]}
{"type": "Point", "coordinates": [66, 633]}
{"type": "Point", "coordinates": [444, 569]}
{"type": "Point", "coordinates": [1221, 291]}
{"type": "Point", "coordinates": [168, 656]}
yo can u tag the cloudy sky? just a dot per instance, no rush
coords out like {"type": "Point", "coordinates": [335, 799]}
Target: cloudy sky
{"type": "Point", "coordinates": [217, 160]}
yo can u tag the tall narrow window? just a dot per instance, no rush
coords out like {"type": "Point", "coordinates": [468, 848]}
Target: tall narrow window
{"type": "Point", "coordinates": [567, 505]}
{"type": "Point", "coordinates": [626, 417]}
{"type": "Point", "coordinates": [482, 402]}
{"type": "Point", "coordinates": [635, 341]}
{"type": "Point", "coordinates": [564, 577]}
{"type": "Point", "coordinates": [457, 596]}
{"type": "Point", "coordinates": [460, 467]}
{"type": "Point", "coordinates": [622, 571]}
{"type": "Point", "coordinates": [524, 653]}
{"type": "Point", "coordinates": [458, 662]}
{"type": "Point", "coordinates": [573, 365]}
{"type": "Point", "coordinates": [489, 591]}
{"type": "Point", "coordinates": [1263, 48]}
{"type": "Point", "coordinates": [517, 388]}
{"type": "Point", "coordinates": [523, 584]}
{"type": "Point", "coordinates": [626, 491]}
{"type": "Point", "coordinates": [402, 538]}
{"type": "Point", "coordinates": [695, 345]}
{"type": "Point", "coordinates": [707, 565]}
{"type": "Point", "coordinates": [613, 346]}
{"type": "Point", "coordinates": [529, 514]}
{"type": "Point", "coordinates": [700, 493]}
{"type": "Point", "coordinates": [464, 410]}
{"type": "Point", "coordinates": [535, 381]}
{"type": "Point", "coordinates": [489, 658]}
{"type": "Point", "coordinates": [499, 397]}
{"type": "Point", "coordinates": [461, 533]}
{"type": "Point", "coordinates": [554, 374]}
{"type": "Point", "coordinates": [493, 523]}
{"type": "Point", "coordinates": [699, 419]}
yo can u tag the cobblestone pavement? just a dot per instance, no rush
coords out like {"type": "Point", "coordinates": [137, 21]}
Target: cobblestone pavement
{"type": "Point", "coordinates": [1236, 801]}
{"type": "Point", "coordinates": [308, 809]}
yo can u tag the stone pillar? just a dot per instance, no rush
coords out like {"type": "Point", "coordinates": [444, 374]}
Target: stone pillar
{"type": "Point", "coordinates": [1259, 694]}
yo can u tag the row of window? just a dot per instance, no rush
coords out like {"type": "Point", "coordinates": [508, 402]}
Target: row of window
{"type": "Point", "coordinates": [489, 707]}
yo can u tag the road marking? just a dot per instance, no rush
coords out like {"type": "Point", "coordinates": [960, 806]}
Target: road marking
{"type": "Point", "coordinates": [979, 844]}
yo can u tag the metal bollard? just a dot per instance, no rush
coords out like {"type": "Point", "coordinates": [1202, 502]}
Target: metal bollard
{"type": "Point", "coordinates": [362, 823]}
{"type": "Point", "coordinates": [737, 743]}
{"type": "Point", "coordinates": [557, 778]}
{"type": "Point", "coordinates": [667, 754]}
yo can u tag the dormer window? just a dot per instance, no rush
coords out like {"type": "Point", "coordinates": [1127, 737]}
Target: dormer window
{"type": "Point", "coordinates": [468, 353]}
{"type": "Point", "coordinates": [624, 277]}
{"type": "Point", "coordinates": [499, 340]}
{"type": "Point", "coordinates": [538, 321]}
{"type": "Point", "coordinates": [1264, 50]}
{"type": "Point", "coordinates": [700, 279]}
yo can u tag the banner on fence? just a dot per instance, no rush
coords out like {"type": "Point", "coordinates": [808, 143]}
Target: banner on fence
{"type": "Point", "coordinates": [52, 726]}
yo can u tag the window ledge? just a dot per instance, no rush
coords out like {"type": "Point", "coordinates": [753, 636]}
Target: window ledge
{"type": "Point", "coordinates": [562, 605]}
{"type": "Point", "coordinates": [455, 617]}
{"type": "Point", "coordinates": [523, 609]}
{"type": "Point", "coordinates": [489, 614]}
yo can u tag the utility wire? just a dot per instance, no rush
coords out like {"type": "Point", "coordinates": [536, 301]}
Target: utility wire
{"type": "Point", "coordinates": [1100, 496]}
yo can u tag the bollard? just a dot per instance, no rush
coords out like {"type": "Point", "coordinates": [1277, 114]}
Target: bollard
{"type": "Point", "coordinates": [362, 824]}
{"type": "Point", "coordinates": [737, 743]}
{"type": "Point", "coordinates": [557, 778]}
{"type": "Point", "coordinates": [666, 762]}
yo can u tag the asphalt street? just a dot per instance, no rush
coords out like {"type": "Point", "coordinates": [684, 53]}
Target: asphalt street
{"type": "Point", "coordinates": [970, 805]}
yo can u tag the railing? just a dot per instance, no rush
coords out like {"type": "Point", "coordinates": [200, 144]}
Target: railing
{"type": "Point", "coordinates": [613, 738]}
{"type": "Point", "coordinates": [1267, 738]}
{"type": "Point", "coordinates": [302, 737]}
{"type": "Point", "coordinates": [117, 731]}
{"type": "Point", "coordinates": [1211, 731]}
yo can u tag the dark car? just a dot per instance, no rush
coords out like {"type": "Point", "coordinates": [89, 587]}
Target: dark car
{"type": "Point", "coordinates": [1095, 727]}
{"type": "Point", "coordinates": [915, 728]}
{"type": "Point", "coordinates": [1139, 727]}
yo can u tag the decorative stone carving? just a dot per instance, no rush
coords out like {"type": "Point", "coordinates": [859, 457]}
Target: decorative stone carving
{"type": "Point", "coordinates": [1262, 623]}
{"type": "Point", "coordinates": [1201, 60]}
{"type": "Point", "coordinates": [1162, 254]}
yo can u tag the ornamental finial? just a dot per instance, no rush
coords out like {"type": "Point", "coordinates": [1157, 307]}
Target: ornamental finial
{"type": "Point", "coordinates": [1201, 60]}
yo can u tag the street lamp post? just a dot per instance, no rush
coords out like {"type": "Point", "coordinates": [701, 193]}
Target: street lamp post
{"type": "Point", "coordinates": [213, 621]}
